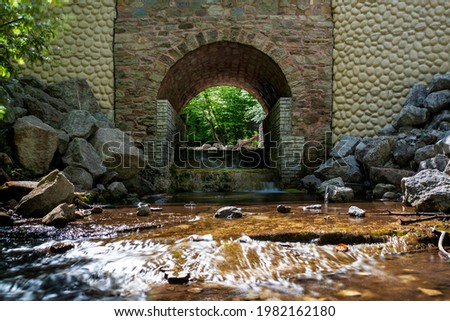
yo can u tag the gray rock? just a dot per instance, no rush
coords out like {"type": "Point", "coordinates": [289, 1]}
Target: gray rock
{"type": "Point", "coordinates": [345, 147]}
{"type": "Point", "coordinates": [444, 126]}
{"type": "Point", "coordinates": [428, 190]}
{"type": "Point", "coordinates": [387, 130]}
{"type": "Point", "coordinates": [386, 175]}
{"type": "Point", "coordinates": [35, 144]}
{"type": "Point", "coordinates": [373, 152]}
{"type": "Point", "coordinates": [339, 194]}
{"type": "Point", "coordinates": [438, 162]}
{"type": "Point", "coordinates": [117, 191]}
{"type": "Point", "coordinates": [60, 216]}
{"type": "Point", "coordinates": [437, 101]}
{"type": "Point", "coordinates": [5, 219]}
{"type": "Point", "coordinates": [32, 81]}
{"type": "Point", "coordinates": [76, 93]}
{"type": "Point", "coordinates": [416, 95]}
{"type": "Point", "coordinates": [79, 177]}
{"type": "Point", "coordinates": [347, 168]}
{"type": "Point", "coordinates": [52, 190]}
{"type": "Point", "coordinates": [447, 169]}
{"type": "Point", "coordinates": [311, 183]}
{"type": "Point", "coordinates": [82, 154]}
{"type": "Point", "coordinates": [389, 196]}
{"type": "Point", "coordinates": [79, 123]}
{"type": "Point", "coordinates": [444, 116]}
{"type": "Point", "coordinates": [283, 209]}
{"type": "Point", "coordinates": [118, 152]}
{"type": "Point", "coordinates": [43, 97]}
{"type": "Point", "coordinates": [43, 111]}
{"type": "Point", "coordinates": [138, 184]}
{"type": "Point", "coordinates": [404, 150]}
{"type": "Point", "coordinates": [356, 211]}
{"type": "Point", "coordinates": [63, 141]}
{"type": "Point", "coordinates": [337, 181]}
{"type": "Point", "coordinates": [410, 116]}
{"type": "Point", "coordinates": [439, 82]}
{"type": "Point", "coordinates": [425, 152]}
{"type": "Point", "coordinates": [443, 146]}
{"type": "Point", "coordinates": [229, 212]}
{"type": "Point", "coordinates": [381, 188]}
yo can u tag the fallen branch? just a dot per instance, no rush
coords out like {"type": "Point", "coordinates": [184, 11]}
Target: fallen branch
{"type": "Point", "coordinates": [441, 241]}
{"type": "Point", "coordinates": [402, 222]}
{"type": "Point", "coordinates": [414, 213]}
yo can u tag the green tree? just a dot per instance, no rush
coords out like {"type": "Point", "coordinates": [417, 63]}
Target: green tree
{"type": "Point", "coordinates": [223, 114]}
{"type": "Point", "coordinates": [27, 28]}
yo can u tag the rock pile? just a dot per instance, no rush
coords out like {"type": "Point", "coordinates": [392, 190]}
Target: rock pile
{"type": "Point", "coordinates": [416, 144]}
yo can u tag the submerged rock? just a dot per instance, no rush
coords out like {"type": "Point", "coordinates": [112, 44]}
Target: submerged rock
{"type": "Point", "coordinates": [51, 191]}
{"type": "Point", "coordinates": [60, 215]}
{"type": "Point", "coordinates": [229, 212]}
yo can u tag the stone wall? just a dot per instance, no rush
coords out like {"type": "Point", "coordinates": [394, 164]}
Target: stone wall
{"type": "Point", "coordinates": [84, 50]}
{"type": "Point", "coordinates": [381, 49]}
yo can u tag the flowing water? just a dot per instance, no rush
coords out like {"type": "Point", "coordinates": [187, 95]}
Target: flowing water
{"type": "Point", "coordinates": [263, 256]}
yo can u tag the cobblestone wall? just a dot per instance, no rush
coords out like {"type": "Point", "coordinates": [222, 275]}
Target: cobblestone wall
{"type": "Point", "coordinates": [84, 50]}
{"type": "Point", "coordinates": [381, 49]}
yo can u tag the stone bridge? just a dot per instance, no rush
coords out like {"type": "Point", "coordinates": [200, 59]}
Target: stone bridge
{"type": "Point", "coordinates": [166, 52]}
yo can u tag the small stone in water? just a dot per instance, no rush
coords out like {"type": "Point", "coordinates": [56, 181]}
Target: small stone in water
{"type": "Point", "coordinates": [283, 209]}
{"type": "Point", "coordinates": [312, 207]}
{"type": "Point", "coordinates": [143, 210]}
{"type": "Point", "coordinates": [61, 247]}
{"type": "Point", "coordinates": [177, 277]}
{"type": "Point", "coordinates": [431, 292]}
{"type": "Point", "coordinates": [356, 211]}
{"type": "Point", "coordinates": [229, 212]}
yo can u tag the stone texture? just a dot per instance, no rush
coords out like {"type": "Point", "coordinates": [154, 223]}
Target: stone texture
{"type": "Point", "coordinates": [347, 168]}
{"type": "Point", "coordinates": [339, 194]}
{"type": "Point", "coordinates": [43, 111]}
{"type": "Point", "coordinates": [311, 183]}
{"type": "Point", "coordinates": [416, 95]}
{"type": "Point", "coordinates": [424, 153]}
{"type": "Point", "coordinates": [439, 82]}
{"type": "Point", "coordinates": [60, 216]}
{"type": "Point", "coordinates": [117, 191]}
{"type": "Point", "coordinates": [392, 176]}
{"type": "Point", "coordinates": [374, 152]}
{"type": "Point", "coordinates": [79, 177]}
{"type": "Point", "coordinates": [63, 141]}
{"type": "Point", "coordinates": [404, 150]}
{"type": "Point", "coordinates": [411, 116]}
{"type": "Point", "coordinates": [118, 152]}
{"type": "Point", "coordinates": [79, 123]}
{"type": "Point", "coordinates": [438, 101]}
{"type": "Point", "coordinates": [443, 145]}
{"type": "Point", "coordinates": [40, 95]}
{"type": "Point", "coordinates": [35, 144]}
{"type": "Point", "coordinates": [337, 181]}
{"type": "Point", "coordinates": [52, 190]}
{"type": "Point", "coordinates": [438, 162]}
{"type": "Point", "coordinates": [345, 147]}
{"type": "Point", "coordinates": [82, 154]}
{"type": "Point", "coordinates": [428, 190]}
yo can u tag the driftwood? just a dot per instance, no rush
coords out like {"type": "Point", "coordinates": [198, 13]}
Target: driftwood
{"type": "Point", "coordinates": [429, 218]}
{"type": "Point", "coordinates": [414, 213]}
{"type": "Point", "coordinates": [441, 241]}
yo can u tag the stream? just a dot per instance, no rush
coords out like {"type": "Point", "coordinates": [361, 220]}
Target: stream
{"type": "Point", "coordinates": [265, 255]}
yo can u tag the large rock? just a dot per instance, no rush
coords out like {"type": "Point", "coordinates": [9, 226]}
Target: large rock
{"type": "Point", "coordinates": [138, 184]}
{"type": "Point", "coordinates": [63, 141]}
{"type": "Point", "coordinates": [117, 191]}
{"type": "Point", "coordinates": [411, 116]}
{"type": "Point", "coordinates": [76, 93]}
{"type": "Point", "coordinates": [311, 183]}
{"type": "Point", "coordinates": [118, 152]}
{"type": "Point", "coordinates": [347, 168]}
{"type": "Point", "coordinates": [60, 215]}
{"type": "Point", "coordinates": [437, 101]}
{"type": "Point", "coordinates": [444, 116]}
{"type": "Point", "coordinates": [45, 112]}
{"type": "Point", "coordinates": [339, 194]}
{"type": "Point", "coordinates": [229, 212]}
{"type": "Point", "coordinates": [337, 181]}
{"type": "Point", "coordinates": [345, 147]}
{"type": "Point", "coordinates": [392, 176]}
{"type": "Point", "coordinates": [380, 189]}
{"type": "Point", "coordinates": [424, 153]}
{"type": "Point", "coordinates": [82, 154]}
{"type": "Point", "coordinates": [404, 150]}
{"type": "Point", "coordinates": [428, 190]}
{"type": "Point", "coordinates": [35, 143]}
{"type": "Point", "coordinates": [416, 95]}
{"type": "Point", "coordinates": [438, 162]}
{"type": "Point", "coordinates": [52, 190]}
{"type": "Point", "coordinates": [79, 177]}
{"type": "Point", "coordinates": [373, 152]}
{"type": "Point", "coordinates": [43, 97]}
{"type": "Point", "coordinates": [79, 123]}
{"type": "Point", "coordinates": [443, 145]}
{"type": "Point", "coordinates": [439, 82]}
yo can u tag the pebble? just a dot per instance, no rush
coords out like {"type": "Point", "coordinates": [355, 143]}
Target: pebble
{"type": "Point", "coordinates": [177, 277]}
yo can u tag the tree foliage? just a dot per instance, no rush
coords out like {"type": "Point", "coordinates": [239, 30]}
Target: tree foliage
{"type": "Point", "coordinates": [27, 28]}
{"type": "Point", "coordinates": [222, 114]}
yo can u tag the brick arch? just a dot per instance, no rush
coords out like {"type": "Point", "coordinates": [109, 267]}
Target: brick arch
{"type": "Point", "coordinates": [224, 63]}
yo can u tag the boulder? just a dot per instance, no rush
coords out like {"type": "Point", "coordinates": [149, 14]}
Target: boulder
{"type": "Point", "coordinates": [387, 130]}
{"type": "Point", "coordinates": [437, 101]}
{"type": "Point", "coordinates": [443, 145]}
{"type": "Point", "coordinates": [356, 211]}
{"type": "Point", "coordinates": [79, 177]}
{"type": "Point", "coordinates": [60, 215]}
{"type": "Point", "coordinates": [138, 184]}
{"type": "Point", "coordinates": [229, 212]}
{"type": "Point", "coordinates": [52, 190]}
{"type": "Point", "coordinates": [438, 162]}
{"type": "Point", "coordinates": [40, 95]}
{"type": "Point", "coordinates": [438, 83]}
{"type": "Point", "coordinates": [63, 141]}
{"type": "Point", "coordinates": [337, 181]}
{"type": "Point", "coordinates": [5, 219]}
{"type": "Point", "coordinates": [283, 209]}
{"type": "Point", "coordinates": [76, 93]}
{"type": "Point", "coordinates": [386, 175]}
{"type": "Point", "coordinates": [345, 147]}
{"type": "Point", "coordinates": [35, 143]}
{"type": "Point", "coordinates": [404, 150]}
{"type": "Point", "coordinates": [117, 191]}
{"type": "Point", "coordinates": [374, 152]}
{"type": "Point", "coordinates": [82, 154]}
{"type": "Point", "coordinates": [428, 190]}
{"type": "Point", "coordinates": [118, 152]}
{"type": "Point", "coordinates": [347, 168]}
{"type": "Point", "coordinates": [311, 183]}
{"type": "Point", "coordinates": [410, 116]}
{"type": "Point", "coordinates": [443, 116]}
{"type": "Point", "coordinates": [425, 152]}
{"type": "Point", "coordinates": [416, 95]}
{"type": "Point", "coordinates": [381, 189]}
{"type": "Point", "coordinates": [339, 194]}
{"type": "Point", "coordinates": [45, 112]}
{"type": "Point", "coordinates": [79, 123]}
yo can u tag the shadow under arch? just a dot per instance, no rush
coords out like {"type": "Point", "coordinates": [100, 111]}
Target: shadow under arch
{"type": "Point", "coordinates": [224, 63]}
